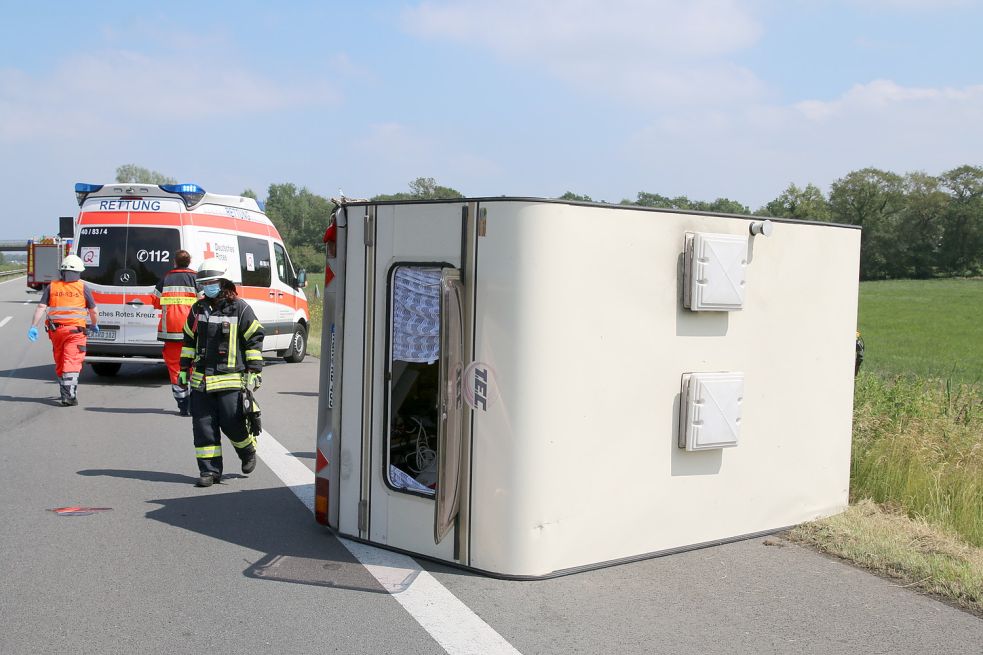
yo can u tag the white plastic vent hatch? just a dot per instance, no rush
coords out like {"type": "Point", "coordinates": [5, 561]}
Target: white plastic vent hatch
{"type": "Point", "coordinates": [714, 272]}
{"type": "Point", "coordinates": [710, 410]}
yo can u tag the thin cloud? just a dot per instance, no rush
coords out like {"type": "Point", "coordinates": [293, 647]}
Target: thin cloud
{"type": "Point", "coordinates": [121, 90]}
{"type": "Point", "coordinates": [655, 50]}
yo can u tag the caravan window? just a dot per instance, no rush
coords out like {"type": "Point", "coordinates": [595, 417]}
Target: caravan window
{"type": "Point", "coordinates": [254, 261]}
{"type": "Point", "coordinates": [413, 389]}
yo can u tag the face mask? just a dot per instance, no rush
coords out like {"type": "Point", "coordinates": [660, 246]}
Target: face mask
{"type": "Point", "coordinates": [210, 290]}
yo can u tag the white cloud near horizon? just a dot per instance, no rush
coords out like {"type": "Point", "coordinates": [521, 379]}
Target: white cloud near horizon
{"type": "Point", "coordinates": [658, 51]}
{"type": "Point", "coordinates": [118, 91]}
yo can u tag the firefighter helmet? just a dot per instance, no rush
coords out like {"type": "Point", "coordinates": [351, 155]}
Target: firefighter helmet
{"type": "Point", "coordinates": [72, 263]}
{"type": "Point", "coordinates": [211, 269]}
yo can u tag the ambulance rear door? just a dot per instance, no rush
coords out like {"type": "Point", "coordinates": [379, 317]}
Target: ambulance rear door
{"type": "Point", "coordinates": [127, 246]}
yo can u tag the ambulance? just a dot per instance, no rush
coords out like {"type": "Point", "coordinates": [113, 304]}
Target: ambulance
{"type": "Point", "coordinates": [127, 234]}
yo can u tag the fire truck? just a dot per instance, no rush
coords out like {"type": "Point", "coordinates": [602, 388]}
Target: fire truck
{"type": "Point", "coordinates": [44, 256]}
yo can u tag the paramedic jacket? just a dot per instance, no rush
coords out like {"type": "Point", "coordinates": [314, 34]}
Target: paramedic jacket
{"type": "Point", "coordinates": [221, 345]}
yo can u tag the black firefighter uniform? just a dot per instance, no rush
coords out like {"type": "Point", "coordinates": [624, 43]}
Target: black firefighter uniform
{"type": "Point", "coordinates": [222, 346]}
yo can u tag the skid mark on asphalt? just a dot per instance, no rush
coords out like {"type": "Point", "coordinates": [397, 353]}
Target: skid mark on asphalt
{"type": "Point", "coordinates": [450, 622]}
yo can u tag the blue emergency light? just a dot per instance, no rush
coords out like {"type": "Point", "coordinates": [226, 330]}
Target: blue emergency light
{"type": "Point", "coordinates": [190, 193]}
{"type": "Point", "coordinates": [82, 190]}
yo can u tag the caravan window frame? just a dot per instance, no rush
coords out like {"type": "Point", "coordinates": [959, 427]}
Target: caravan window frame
{"type": "Point", "coordinates": [387, 378]}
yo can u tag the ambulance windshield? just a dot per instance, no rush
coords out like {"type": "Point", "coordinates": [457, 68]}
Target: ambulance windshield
{"type": "Point", "coordinates": [119, 255]}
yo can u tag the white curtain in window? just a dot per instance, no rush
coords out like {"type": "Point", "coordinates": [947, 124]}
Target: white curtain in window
{"type": "Point", "coordinates": [416, 314]}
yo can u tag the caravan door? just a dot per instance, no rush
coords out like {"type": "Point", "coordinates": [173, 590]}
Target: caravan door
{"type": "Point", "coordinates": [413, 378]}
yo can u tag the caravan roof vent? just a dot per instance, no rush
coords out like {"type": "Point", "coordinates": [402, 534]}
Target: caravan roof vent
{"type": "Point", "coordinates": [714, 272]}
{"type": "Point", "coordinates": [710, 410]}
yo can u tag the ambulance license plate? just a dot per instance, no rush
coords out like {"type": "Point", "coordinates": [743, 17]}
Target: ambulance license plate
{"type": "Point", "coordinates": [102, 335]}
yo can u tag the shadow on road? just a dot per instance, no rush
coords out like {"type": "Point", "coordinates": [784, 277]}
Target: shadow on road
{"type": "Point", "coordinates": [303, 454]}
{"type": "Point", "coordinates": [151, 476]}
{"type": "Point", "coordinates": [52, 402]}
{"type": "Point", "coordinates": [311, 394]}
{"type": "Point", "coordinates": [131, 410]}
{"type": "Point", "coordinates": [270, 521]}
{"type": "Point", "coordinates": [43, 372]}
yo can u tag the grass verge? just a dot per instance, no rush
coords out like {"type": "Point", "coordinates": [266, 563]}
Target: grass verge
{"type": "Point", "coordinates": [912, 551]}
{"type": "Point", "coordinates": [315, 307]}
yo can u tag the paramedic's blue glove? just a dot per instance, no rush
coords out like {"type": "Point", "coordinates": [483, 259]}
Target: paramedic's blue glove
{"type": "Point", "coordinates": [253, 381]}
{"type": "Point", "coordinates": [32, 334]}
{"type": "Point", "coordinates": [94, 329]}
{"type": "Point", "coordinates": [182, 378]}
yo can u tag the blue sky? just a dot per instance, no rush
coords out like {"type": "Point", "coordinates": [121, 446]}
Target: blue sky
{"type": "Point", "coordinates": [704, 98]}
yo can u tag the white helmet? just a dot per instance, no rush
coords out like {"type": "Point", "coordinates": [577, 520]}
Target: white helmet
{"type": "Point", "coordinates": [72, 263]}
{"type": "Point", "coordinates": [212, 268]}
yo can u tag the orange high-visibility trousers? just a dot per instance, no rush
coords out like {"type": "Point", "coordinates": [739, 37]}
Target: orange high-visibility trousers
{"type": "Point", "coordinates": [68, 348]}
{"type": "Point", "coordinates": [172, 357]}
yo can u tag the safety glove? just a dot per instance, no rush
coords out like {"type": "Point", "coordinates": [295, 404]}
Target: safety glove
{"type": "Point", "coordinates": [254, 381]}
{"type": "Point", "coordinates": [32, 334]}
{"type": "Point", "coordinates": [94, 329]}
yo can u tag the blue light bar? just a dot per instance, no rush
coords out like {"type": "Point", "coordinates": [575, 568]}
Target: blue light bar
{"type": "Point", "coordinates": [82, 190]}
{"type": "Point", "coordinates": [190, 193]}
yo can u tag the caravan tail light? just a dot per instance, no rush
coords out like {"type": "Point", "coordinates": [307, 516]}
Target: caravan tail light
{"type": "Point", "coordinates": [321, 500]}
{"type": "Point", "coordinates": [191, 194]}
{"type": "Point", "coordinates": [331, 240]}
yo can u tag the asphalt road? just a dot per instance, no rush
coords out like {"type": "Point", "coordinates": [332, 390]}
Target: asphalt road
{"type": "Point", "coordinates": [242, 567]}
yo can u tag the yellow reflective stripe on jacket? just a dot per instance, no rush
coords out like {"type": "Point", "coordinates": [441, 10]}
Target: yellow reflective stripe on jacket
{"type": "Point", "coordinates": [251, 330]}
{"type": "Point", "coordinates": [208, 451]}
{"type": "Point", "coordinates": [233, 345]}
{"type": "Point", "coordinates": [180, 289]}
{"type": "Point", "coordinates": [188, 331]}
{"type": "Point", "coordinates": [177, 300]}
{"type": "Point", "coordinates": [223, 381]}
{"type": "Point", "coordinates": [253, 355]}
{"type": "Point", "coordinates": [245, 442]}
{"type": "Point", "coordinates": [187, 352]}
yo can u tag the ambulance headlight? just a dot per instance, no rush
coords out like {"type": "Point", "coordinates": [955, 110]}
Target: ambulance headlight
{"type": "Point", "coordinates": [82, 191]}
{"type": "Point", "coordinates": [191, 194]}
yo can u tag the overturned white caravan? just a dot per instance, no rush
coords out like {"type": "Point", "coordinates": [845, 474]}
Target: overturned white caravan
{"type": "Point", "coordinates": [529, 388]}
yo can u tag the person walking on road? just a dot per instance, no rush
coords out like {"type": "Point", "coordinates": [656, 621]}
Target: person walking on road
{"type": "Point", "coordinates": [66, 303]}
{"type": "Point", "coordinates": [221, 358]}
{"type": "Point", "coordinates": [174, 295]}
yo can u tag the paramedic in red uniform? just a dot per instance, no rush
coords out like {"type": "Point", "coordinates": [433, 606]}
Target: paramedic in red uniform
{"type": "Point", "coordinates": [222, 355]}
{"type": "Point", "coordinates": [174, 295]}
{"type": "Point", "coordinates": [66, 302]}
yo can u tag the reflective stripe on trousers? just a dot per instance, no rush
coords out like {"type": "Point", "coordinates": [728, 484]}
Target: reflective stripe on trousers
{"type": "Point", "coordinates": [211, 415]}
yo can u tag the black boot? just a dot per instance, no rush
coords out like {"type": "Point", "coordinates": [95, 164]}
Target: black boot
{"type": "Point", "coordinates": [183, 407]}
{"type": "Point", "coordinates": [249, 463]}
{"type": "Point", "coordinates": [207, 479]}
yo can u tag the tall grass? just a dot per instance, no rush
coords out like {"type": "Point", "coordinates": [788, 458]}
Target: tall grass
{"type": "Point", "coordinates": [315, 307]}
{"type": "Point", "coordinates": [918, 446]}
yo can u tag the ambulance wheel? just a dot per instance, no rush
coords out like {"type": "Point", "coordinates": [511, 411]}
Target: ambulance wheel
{"type": "Point", "coordinates": [105, 369]}
{"type": "Point", "coordinates": [298, 345]}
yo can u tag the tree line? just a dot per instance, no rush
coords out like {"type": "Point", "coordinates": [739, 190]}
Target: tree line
{"type": "Point", "coordinates": [914, 225]}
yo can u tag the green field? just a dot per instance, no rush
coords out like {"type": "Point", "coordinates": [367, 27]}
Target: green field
{"type": "Point", "coordinates": [927, 328]}
{"type": "Point", "coordinates": [916, 477]}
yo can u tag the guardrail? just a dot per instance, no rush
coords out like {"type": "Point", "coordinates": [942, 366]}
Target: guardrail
{"type": "Point", "coordinates": [19, 271]}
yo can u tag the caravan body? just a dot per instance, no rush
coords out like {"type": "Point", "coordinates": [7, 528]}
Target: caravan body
{"type": "Point", "coordinates": [528, 388]}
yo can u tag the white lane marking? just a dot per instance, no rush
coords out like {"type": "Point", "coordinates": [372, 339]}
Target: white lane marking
{"type": "Point", "coordinates": [5, 321]}
{"type": "Point", "coordinates": [19, 277]}
{"type": "Point", "coordinates": [449, 621]}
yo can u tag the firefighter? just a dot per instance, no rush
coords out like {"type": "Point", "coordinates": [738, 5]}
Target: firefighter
{"type": "Point", "coordinates": [222, 356]}
{"type": "Point", "coordinates": [66, 303]}
{"type": "Point", "coordinates": [174, 295]}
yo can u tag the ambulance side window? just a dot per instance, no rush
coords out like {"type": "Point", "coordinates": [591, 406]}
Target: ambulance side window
{"type": "Point", "coordinates": [283, 268]}
{"type": "Point", "coordinates": [254, 261]}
